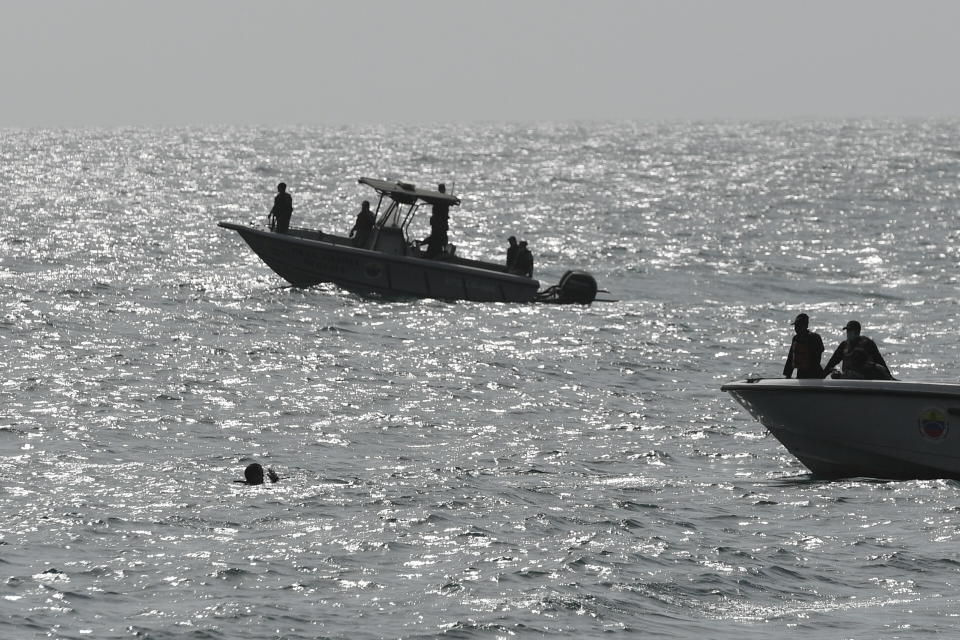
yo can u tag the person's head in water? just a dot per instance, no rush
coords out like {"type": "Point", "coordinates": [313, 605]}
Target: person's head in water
{"type": "Point", "coordinates": [801, 323]}
{"type": "Point", "coordinates": [442, 188]}
{"type": "Point", "coordinates": [282, 187]}
{"type": "Point", "coordinates": [853, 329]}
{"type": "Point", "coordinates": [253, 474]}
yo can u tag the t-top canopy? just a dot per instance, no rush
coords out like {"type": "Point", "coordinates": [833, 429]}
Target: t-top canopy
{"type": "Point", "coordinates": [408, 193]}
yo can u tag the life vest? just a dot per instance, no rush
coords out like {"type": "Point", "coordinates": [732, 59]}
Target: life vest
{"type": "Point", "coordinates": [858, 342]}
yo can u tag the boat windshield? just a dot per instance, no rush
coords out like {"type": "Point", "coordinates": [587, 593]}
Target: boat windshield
{"type": "Point", "coordinates": [397, 214]}
{"type": "Point", "coordinates": [400, 201]}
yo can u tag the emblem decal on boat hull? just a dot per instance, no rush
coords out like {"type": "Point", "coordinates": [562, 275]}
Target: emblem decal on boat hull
{"type": "Point", "coordinates": [933, 423]}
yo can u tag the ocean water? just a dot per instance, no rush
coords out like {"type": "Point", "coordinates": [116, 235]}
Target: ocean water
{"type": "Point", "coordinates": [464, 470]}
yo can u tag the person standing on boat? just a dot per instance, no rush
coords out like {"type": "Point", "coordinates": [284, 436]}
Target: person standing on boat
{"type": "Point", "coordinates": [523, 263]}
{"type": "Point", "coordinates": [282, 209]}
{"type": "Point", "coordinates": [859, 356]}
{"type": "Point", "coordinates": [806, 349]}
{"type": "Point", "coordinates": [364, 225]}
{"type": "Point", "coordinates": [512, 249]}
{"type": "Point", "coordinates": [439, 226]}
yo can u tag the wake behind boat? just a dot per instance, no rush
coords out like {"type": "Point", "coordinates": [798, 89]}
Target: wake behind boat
{"type": "Point", "coordinates": [851, 428]}
{"type": "Point", "coordinates": [388, 263]}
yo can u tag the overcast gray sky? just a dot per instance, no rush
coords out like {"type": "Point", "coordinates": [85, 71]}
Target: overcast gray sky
{"type": "Point", "coordinates": [111, 62]}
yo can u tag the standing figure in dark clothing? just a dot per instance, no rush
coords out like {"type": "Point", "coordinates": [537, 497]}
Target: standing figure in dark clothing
{"type": "Point", "coordinates": [805, 351]}
{"type": "Point", "coordinates": [523, 264]}
{"type": "Point", "coordinates": [282, 209]}
{"type": "Point", "coordinates": [439, 226]}
{"type": "Point", "coordinates": [364, 225]}
{"type": "Point", "coordinates": [860, 357]}
{"type": "Point", "coordinates": [512, 252]}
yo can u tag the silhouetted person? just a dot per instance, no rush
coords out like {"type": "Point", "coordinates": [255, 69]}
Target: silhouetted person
{"type": "Point", "coordinates": [523, 264]}
{"type": "Point", "coordinates": [364, 225]}
{"type": "Point", "coordinates": [282, 209]}
{"type": "Point", "coordinates": [806, 348]}
{"type": "Point", "coordinates": [862, 368]}
{"type": "Point", "coordinates": [253, 474]}
{"type": "Point", "coordinates": [512, 249]}
{"type": "Point", "coordinates": [855, 367]}
{"type": "Point", "coordinates": [439, 226]}
{"type": "Point", "coordinates": [442, 209]}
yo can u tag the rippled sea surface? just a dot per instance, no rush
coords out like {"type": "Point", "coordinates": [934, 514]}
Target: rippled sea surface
{"type": "Point", "coordinates": [464, 470]}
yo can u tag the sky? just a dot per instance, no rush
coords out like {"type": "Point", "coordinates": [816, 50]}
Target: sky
{"type": "Point", "coordinates": [286, 62]}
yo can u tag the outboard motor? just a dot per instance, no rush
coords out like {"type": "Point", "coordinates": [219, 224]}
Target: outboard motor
{"type": "Point", "coordinates": [574, 287]}
{"type": "Point", "coordinates": [577, 286]}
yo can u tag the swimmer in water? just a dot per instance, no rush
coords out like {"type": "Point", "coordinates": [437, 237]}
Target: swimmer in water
{"type": "Point", "coordinates": [254, 474]}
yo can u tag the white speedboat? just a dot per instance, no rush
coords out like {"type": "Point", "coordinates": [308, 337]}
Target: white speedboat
{"type": "Point", "coordinates": [390, 263]}
{"type": "Point", "coordinates": [860, 428]}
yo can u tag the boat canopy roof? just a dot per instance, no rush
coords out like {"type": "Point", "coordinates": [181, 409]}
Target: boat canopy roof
{"type": "Point", "coordinates": [406, 193]}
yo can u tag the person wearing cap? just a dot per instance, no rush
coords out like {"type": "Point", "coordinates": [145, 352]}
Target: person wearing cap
{"type": "Point", "coordinates": [806, 349]}
{"type": "Point", "coordinates": [859, 356]}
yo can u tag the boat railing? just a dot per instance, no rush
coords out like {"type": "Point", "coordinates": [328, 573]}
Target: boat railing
{"type": "Point", "coordinates": [306, 234]}
{"type": "Point", "coordinates": [480, 264]}
{"type": "Point", "coordinates": [316, 234]}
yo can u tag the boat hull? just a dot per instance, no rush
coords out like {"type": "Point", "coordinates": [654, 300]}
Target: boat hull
{"type": "Point", "coordinates": [304, 261]}
{"type": "Point", "coordinates": [860, 428]}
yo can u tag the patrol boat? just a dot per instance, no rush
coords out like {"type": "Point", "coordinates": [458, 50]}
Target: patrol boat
{"type": "Point", "coordinates": [860, 428]}
{"type": "Point", "coordinates": [391, 264]}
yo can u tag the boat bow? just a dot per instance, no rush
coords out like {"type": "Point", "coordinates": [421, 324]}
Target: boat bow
{"type": "Point", "coordinates": [874, 428]}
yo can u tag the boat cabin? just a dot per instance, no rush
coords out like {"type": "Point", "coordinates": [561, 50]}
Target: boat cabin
{"type": "Point", "coordinates": [396, 209]}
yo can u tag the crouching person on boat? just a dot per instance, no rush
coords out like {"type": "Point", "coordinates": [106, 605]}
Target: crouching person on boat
{"type": "Point", "coordinates": [859, 356]}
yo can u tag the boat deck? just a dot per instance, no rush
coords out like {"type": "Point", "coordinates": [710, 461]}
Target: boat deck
{"type": "Point", "coordinates": [320, 236]}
